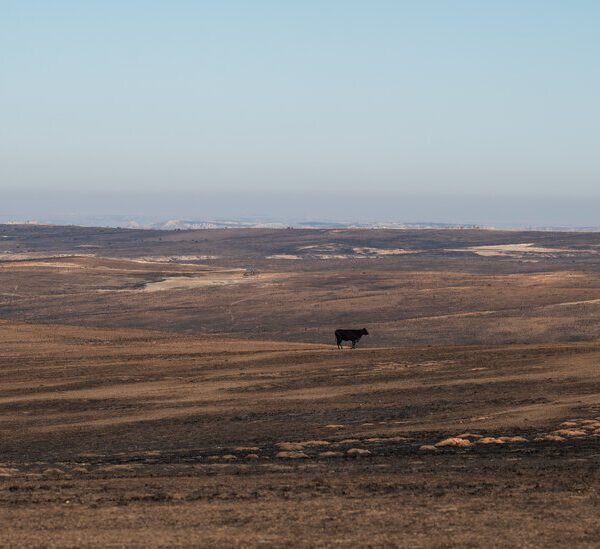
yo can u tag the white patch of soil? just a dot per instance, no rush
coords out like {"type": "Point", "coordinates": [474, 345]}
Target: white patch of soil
{"type": "Point", "coordinates": [202, 281]}
{"type": "Point", "coordinates": [283, 256]}
{"type": "Point", "coordinates": [516, 249]}
{"type": "Point", "coordinates": [380, 252]}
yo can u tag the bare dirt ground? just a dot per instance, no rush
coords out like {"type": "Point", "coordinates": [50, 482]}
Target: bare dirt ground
{"type": "Point", "coordinates": [137, 411]}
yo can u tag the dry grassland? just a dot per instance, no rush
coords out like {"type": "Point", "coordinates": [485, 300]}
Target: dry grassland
{"type": "Point", "coordinates": [153, 395]}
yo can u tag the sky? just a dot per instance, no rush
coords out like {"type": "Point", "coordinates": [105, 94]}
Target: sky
{"type": "Point", "coordinates": [271, 103]}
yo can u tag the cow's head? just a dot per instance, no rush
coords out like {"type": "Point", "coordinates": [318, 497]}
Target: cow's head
{"type": "Point", "coordinates": [364, 331]}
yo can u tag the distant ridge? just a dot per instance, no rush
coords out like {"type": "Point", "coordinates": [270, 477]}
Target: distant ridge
{"type": "Point", "coordinates": [250, 223]}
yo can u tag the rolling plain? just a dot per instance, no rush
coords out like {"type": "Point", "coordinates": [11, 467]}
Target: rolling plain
{"type": "Point", "coordinates": [183, 388]}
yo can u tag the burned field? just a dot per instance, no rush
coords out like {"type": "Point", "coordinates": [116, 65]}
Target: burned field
{"type": "Point", "coordinates": [410, 287]}
{"type": "Point", "coordinates": [153, 395]}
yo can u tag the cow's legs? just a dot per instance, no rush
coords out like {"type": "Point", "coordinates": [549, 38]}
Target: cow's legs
{"type": "Point", "coordinates": [353, 343]}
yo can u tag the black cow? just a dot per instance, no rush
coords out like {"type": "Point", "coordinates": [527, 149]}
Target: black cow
{"type": "Point", "coordinates": [349, 335]}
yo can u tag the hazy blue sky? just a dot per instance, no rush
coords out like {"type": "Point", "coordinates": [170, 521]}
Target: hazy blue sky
{"type": "Point", "coordinates": [390, 97]}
